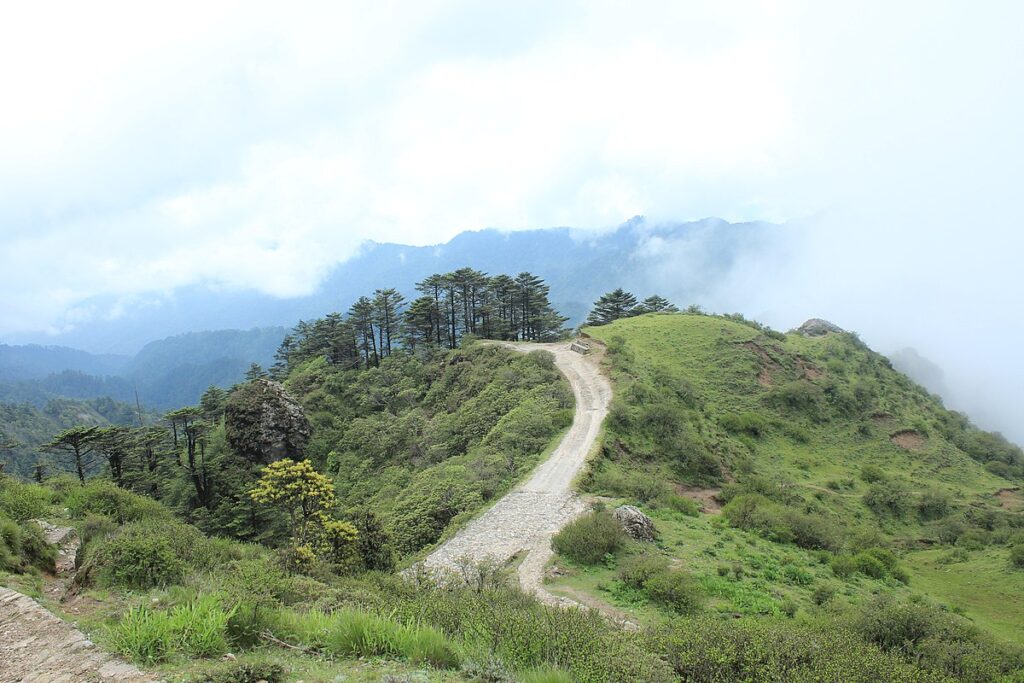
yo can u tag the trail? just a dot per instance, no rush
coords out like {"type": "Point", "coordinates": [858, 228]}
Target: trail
{"type": "Point", "coordinates": [38, 647]}
{"type": "Point", "coordinates": [527, 517]}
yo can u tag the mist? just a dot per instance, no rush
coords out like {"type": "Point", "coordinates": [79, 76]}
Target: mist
{"type": "Point", "coordinates": [146, 156]}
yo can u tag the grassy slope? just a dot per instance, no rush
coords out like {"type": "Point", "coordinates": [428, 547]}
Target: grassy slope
{"type": "Point", "coordinates": [712, 354]}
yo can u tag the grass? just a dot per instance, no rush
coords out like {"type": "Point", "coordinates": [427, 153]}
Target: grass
{"type": "Point", "coordinates": [984, 587]}
{"type": "Point", "coordinates": [804, 413]}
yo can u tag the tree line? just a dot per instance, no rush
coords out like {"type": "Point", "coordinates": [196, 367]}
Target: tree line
{"type": "Point", "coordinates": [451, 306]}
{"type": "Point", "coordinates": [622, 304]}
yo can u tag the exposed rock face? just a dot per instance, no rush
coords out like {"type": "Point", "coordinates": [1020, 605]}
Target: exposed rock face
{"type": "Point", "coordinates": [635, 523]}
{"type": "Point", "coordinates": [263, 423]}
{"type": "Point", "coordinates": [816, 327]}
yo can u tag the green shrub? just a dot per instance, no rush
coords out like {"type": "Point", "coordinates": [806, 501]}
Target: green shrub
{"type": "Point", "coordinates": [799, 396]}
{"type": "Point", "coordinates": [749, 423]}
{"type": "Point", "coordinates": [934, 504]}
{"type": "Point", "coordinates": [23, 547]}
{"type": "Point", "coordinates": [935, 639]}
{"type": "Point", "coordinates": [823, 594]}
{"type": "Point", "coordinates": [22, 502]}
{"type": "Point", "coordinates": [637, 570]}
{"type": "Point", "coordinates": [869, 566]}
{"type": "Point", "coordinates": [105, 498]}
{"type": "Point", "coordinates": [1017, 556]}
{"type": "Point", "coordinates": [843, 566]}
{"type": "Point", "coordinates": [588, 539]}
{"type": "Point", "coordinates": [715, 650]}
{"type": "Point", "coordinates": [197, 628]}
{"type": "Point", "coordinates": [888, 498]}
{"type": "Point", "coordinates": [873, 474]}
{"type": "Point", "coordinates": [973, 539]}
{"type": "Point", "coordinates": [138, 560]}
{"type": "Point", "coordinates": [675, 590]}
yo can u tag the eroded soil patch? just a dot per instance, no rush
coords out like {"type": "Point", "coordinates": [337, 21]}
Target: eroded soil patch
{"type": "Point", "coordinates": [908, 440]}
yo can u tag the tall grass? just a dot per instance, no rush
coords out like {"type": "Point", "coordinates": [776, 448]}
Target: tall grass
{"type": "Point", "coordinates": [197, 628]}
{"type": "Point", "coordinates": [350, 633]}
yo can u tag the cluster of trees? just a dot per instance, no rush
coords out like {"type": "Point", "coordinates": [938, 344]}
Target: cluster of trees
{"type": "Point", "coordinates": [622, 304]}
{"type": "Point", "coordinates": [451, 306]}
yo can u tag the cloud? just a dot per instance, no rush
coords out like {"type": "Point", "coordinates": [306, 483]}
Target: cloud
{"type": "Point", "coordinates": [235, 144]}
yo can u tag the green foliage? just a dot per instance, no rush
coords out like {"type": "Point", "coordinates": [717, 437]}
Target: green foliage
{"type": "Point", "coordinates": [935, 640]}
{"type": "Point", "coordinates": [245, 672]}
{"type": "Point", "coordinates": [23, 502]}
{"type": "Point", "coordinates": [744, 423]}
{"type": "Point", "coordinates": [148, 636]}
{"type": "Point", "coordinates": [104, 498]}
{"type": "Point", "coordinates": [713, 650]}
{"type": "Point", "coordinates": [1017, 556]}
{"type": "Point", "coordinates": [588, 539]}
{"type": "Point", "coordinates": [675, 590]}
{"type": "Point", "coordinates": [755, 512]}
{"type": "Point", "coordinates": [934, 504]}
{"type": "Point", "coordinates": [799, 397]}
{"type": "Point", "coordinates": [23, 547]}
{"type": "Point", "coordinates": [888, 498]}
{"type": "Point", "coordinates": [351, 633]}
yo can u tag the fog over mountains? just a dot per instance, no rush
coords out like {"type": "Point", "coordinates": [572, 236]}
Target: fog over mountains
{"type": "Point", "coordinates": [162, 344]}
{"type": "Point", "coordinates": [579, 266]}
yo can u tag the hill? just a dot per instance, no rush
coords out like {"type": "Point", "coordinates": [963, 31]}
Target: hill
{"type": "Point", "coordinates": [840, 477]}
{"type": "Point", "coordinates": [164, 374]}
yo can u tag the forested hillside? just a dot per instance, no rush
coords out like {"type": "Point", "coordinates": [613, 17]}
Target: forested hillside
{"type": "Point", "coordinates": [24, 428]}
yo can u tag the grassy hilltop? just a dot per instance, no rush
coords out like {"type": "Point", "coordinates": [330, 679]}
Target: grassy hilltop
{"type": "Point", "coordinates": [840, 478]}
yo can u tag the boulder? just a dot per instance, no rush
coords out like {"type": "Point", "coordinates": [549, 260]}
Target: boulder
{"type": "Point", "coordinates": [264, 423]}
{"type": "Point", "coordinates": [816, 327]}
{"type": "Point", "coordinates": [635, 523]}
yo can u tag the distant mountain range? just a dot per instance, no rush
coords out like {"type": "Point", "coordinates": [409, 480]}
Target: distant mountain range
{"type": "Point", "coordinates": [166, 374]}
{"type": "Point", "coordinates": [121, 356]}
{"type": "Point", "coordinates": [579, 266]}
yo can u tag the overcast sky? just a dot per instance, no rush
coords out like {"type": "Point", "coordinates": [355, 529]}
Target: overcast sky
{"type": "Point", "coordinates": [255, 146]}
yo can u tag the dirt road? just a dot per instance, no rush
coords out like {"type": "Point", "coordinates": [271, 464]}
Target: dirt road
{"type": "Point", "coordinates": [527, 517]}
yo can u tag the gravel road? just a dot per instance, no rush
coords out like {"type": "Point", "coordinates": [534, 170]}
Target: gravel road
{"type": "Point", "coordinates": [527, 517]}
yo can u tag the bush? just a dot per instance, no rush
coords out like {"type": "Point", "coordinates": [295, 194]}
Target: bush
{"type": "Point", "coordinates": [715, 650]}
{"type": "Point", "coordinates": [244, 672]}
{"type": "Point", "coordinates": [823, 594]}
{"type": "Point", "coordinates": [749, 423]}
{"type": "Point", "coordinates": [888, 498]}
{"type": "Point", "coordinates": [23, 547]}
{"type": "Point", "coordinates": [937, 640]}
{"type": "Point", "coordinates": [197, 628]}
{"type": "Point", "coordinates": [588, 539]}
{"type": "Point", "coordinates": [676, 590]}
{"type": "Point", "coordinates": [934, 504]}
{"type": "Point", "coordinates": [637, 570]}
{"type": "Point", "coordinates": [799, 396]}
{"type": "Point", "coordinates": [104, 498]}
{"type": "Point", "coordinates": [1017, 556]}
{"type": "Point", "coordinates": [138, 560]}
{"type": "Point", "coordinates": [22, 502]}
{"type": "Point", "coordinates": [873, 474]}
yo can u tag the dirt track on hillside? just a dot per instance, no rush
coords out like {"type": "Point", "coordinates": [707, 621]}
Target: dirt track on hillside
{"type": "Point", "coordinates": [527, 517]}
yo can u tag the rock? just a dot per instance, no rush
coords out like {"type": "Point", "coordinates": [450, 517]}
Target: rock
{"type": "Point", "coordinates": [264, 423]}
{"type": "Point", "coordinates": [816, 327]}
{"type": "Point", "coordinates": [635, 523]}
{"type": "Point", "coordinates": [229, 657]}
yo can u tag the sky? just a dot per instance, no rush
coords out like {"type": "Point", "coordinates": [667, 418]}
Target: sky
{"type": "Point", "coordinates": [255, 145]}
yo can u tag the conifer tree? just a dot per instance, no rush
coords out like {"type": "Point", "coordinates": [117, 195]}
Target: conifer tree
{"type": "Point", "coordinates": [612, 306]}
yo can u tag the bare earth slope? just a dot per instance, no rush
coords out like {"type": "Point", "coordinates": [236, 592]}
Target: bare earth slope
{"type": "Point", "coordinates": [527, 517]}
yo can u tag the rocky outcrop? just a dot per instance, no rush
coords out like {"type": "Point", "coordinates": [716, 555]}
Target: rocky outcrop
{"type": "Point", "coordinates": [816, 327]}
{"type": "Point", "coordinates": [264, 423]}
{"type": "Point", "coordinates": [635, 523]}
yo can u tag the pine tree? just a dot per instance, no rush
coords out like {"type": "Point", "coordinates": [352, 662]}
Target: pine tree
{"type": "Point", "coordinates": [612, 306]}
{"type": "Point", "coordinates": [387, 303]}
{"type": "Point", "coordinates": [79, 443]}
{"type": "Point", "coordinates": [656, 304]}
